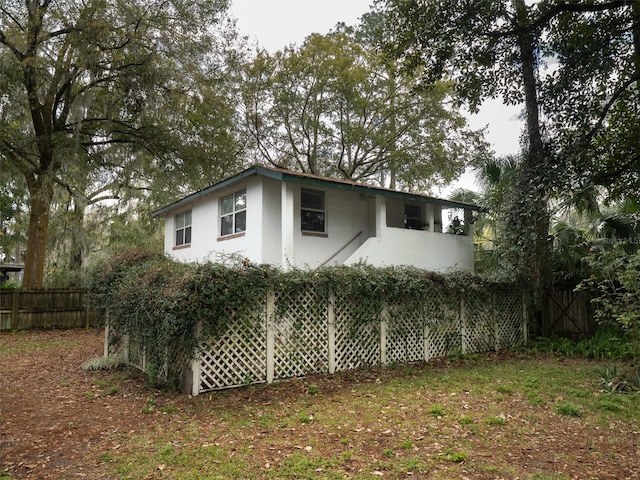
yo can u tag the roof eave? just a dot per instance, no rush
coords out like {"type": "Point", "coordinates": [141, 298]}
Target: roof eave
{"type": "Point", "coordinates": [313, 181]}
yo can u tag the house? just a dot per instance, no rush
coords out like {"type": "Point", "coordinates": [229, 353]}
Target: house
{"type": "Point", "coordinates": [284, 218]}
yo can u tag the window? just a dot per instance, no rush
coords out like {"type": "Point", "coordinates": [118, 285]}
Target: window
{"type": "Point", "coordinates": [312, 213]}
{"type": "Point", "coordinates": [412, 217]}
{"type": "Point", "coordinates": [183, 228]}
{"type": "Point", "coordinates": [233, 216]}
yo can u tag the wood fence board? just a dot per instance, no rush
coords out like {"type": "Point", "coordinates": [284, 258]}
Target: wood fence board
{"type": "Point", "coordinates": [51, 308]}
{"type": "Point", "coordinates": [568, 313]}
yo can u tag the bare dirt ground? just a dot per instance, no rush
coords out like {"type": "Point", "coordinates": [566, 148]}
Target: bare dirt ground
{"type": "Point", "coordinates": [56, 418]}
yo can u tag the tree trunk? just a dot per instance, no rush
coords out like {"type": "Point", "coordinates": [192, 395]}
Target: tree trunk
{"type": "Point", "coordinates": [41, 191]}
{"type": "Point", "coordinates": [533, 185]}
{"type": "Point", "coordinates": [635, 9]}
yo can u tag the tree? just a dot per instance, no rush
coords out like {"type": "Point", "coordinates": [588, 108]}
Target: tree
{"type": "Point", "coordinates": [81, 77]}
{"type": "Point", "coordinates": [592, 96]}
{"type": "Point", "coordinates": [334, 106]}
{"type": "Point", "coordinates": [492, 49]}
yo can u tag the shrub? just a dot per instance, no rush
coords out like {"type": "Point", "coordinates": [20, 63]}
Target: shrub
{"type": "Point", "coordinates": [616, 284]}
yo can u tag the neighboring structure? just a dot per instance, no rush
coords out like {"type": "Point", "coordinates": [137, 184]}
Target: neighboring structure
{"type": "Point", "coordinates": [288, 219]}
{"type": "Point", "coordinates": [11, 272]}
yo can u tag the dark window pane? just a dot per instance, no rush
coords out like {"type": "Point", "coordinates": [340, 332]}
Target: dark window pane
{"type": "Point", "coordinates": [313, 199]}
{"type": "Point", "coordinates": [227, 225]}
{"type": "Point", "coordinates": [187, 235]}
{"type": "Point", "coordinates": [312, 221]}
{"type": "Point", "coordinates": [412, 211]}
{"type": "Point", "coordinates": [241, 221]}
{"type": "Point", "coordinates": [179, 237]}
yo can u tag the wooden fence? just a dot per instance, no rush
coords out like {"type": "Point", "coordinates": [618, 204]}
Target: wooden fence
{"type": "Point", "coordinates": [31, 309]}
{"type": "Point", "coordinates": [568, 313]}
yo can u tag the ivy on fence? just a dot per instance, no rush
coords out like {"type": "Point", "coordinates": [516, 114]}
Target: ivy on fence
{"type": "Point", "coordinates": [158, 303]}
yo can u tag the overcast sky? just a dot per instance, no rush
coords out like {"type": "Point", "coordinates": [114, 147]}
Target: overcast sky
{"type": "Point", "coordinates": [273, 24]}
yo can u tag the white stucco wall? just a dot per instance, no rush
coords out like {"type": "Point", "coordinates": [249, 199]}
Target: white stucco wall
{"type": "Point", "coordinates": [422, 249]}
{"type": "Point", "coordinates": [357, 229]}
{"type": "Point", "coordinates": [206, 243]}
{"type": "Point", "coordinates": [346, 216]}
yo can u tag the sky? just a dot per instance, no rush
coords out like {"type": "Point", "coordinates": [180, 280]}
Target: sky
{"type": "Point", "coordinates": [274, 24]}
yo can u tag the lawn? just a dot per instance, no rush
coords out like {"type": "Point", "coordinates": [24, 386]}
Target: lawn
{"type": "Point", "coordinates": [500, 415]}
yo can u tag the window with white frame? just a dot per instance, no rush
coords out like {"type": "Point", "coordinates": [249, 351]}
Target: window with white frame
{"type": "Point", "coordinates": [312, 211]}
{"type": "Point", "coordinates": [233, 213]}
{"type": "Point", "coordinates": [183, 228]}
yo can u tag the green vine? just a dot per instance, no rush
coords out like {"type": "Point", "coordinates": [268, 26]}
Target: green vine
{"type": "Point", "coordinates": [167, 306]}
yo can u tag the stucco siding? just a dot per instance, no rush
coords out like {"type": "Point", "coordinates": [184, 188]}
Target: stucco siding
{"type": "Point", "coordinates": [421, 249]}
{"type": "Point", "coordinates": [346, 216]}
{"type": "Point", "coordinates": [271, 221]}
{"type": "Point", "coordinates": [206, 242]}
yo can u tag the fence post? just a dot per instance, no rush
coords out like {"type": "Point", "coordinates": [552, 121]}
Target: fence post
{"type": "Point", "coordinates": [496, 327]}
{"type": "Point", "coordinates": [195, 362]}
{"type": "Point", "coordinates": [15, 309]}
{"type": "Point", "coordinates": [384, 325]}
{"type": "Point", "coordinates": [525, 320]}
{"type": "Point", "coordinates": [270, 347]}
{"type": "Point", "coordinates": [427, 343]}
{"type": "Point", "coordinates": [463, 326]}
{"type": "Point", "coordinates": [331, 332]}
{"type": "Point", "coordinates": [125, 348]}
{"type": "Point", "coordinates": [106, 339]}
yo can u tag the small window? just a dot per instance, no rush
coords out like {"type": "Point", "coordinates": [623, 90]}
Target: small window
{"type": "Point", "coordinates": [233, 216]}
{"type": "Point", "coordinates": [183, 228]}
{"type": "Point", "coordinates": [312, 211]}
{"type": "Point", "coordinates": [412, 217]}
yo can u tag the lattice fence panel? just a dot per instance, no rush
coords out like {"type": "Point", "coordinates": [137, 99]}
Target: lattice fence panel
{"type": "Point", "coordinates": [357, 344]}
{"type": "Point", "coordinates": [238, 356]}
{"type": "Point", "coordinates": [510, 331]}
{"type": "Point", "coordinates": [135, 353]}
{"type": "Point", "coordinates": [479, 331]}
{"type": "Point", "coordinates": [405, 334]}
{"type": "Point", "coordinates": [123, 348]}
{"type": "Point", "coordinates": [115, 344]}
{"type": "Point", "coordinates": [301, 335]}
{"type": "Point", "coordinates": [442, 327]}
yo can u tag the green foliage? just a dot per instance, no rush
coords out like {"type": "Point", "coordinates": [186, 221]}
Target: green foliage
{"type": "Point", "coordinates": [99, 96]}
{"type": "Point", "coordinates": [496, 420]}
{"type": "Point", "coordinates": [164, 305]}
{"type": "Point", "coordinates": [610, 342]}
{"type": "Point", "coordinates": [568, 409]}
{"type": "Point", "coordinates": [616, 287]}
{"type": "Point", "coordinates": [9, 285]}
{"type": "Point", "coordinates": [619, 380]}
{"type": "Point", "coordinates": [335, 106]}
{"type": "Point", "coordinates": [437, 410]}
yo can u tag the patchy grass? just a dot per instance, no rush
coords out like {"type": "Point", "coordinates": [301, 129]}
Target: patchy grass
{"type": "Point", "coordinates": [499, 415]}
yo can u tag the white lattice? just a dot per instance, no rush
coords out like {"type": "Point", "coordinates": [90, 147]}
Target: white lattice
{"type": "Point", "coordinates": [300, 336]}
{"type": "Point", "coordinates": [405, 332]}
{"type": "Point", "coordinates": [480, 322]}
{"type": "Point", "coordinates": [510, 328]}
{"type": "Point", "coordinates": [357, 343]}
{"type": "Point", "coordinates": [237, 357]}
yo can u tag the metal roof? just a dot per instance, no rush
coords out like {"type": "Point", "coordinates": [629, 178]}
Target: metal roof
{"type": "Point", "coordinates": [308, 179]}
